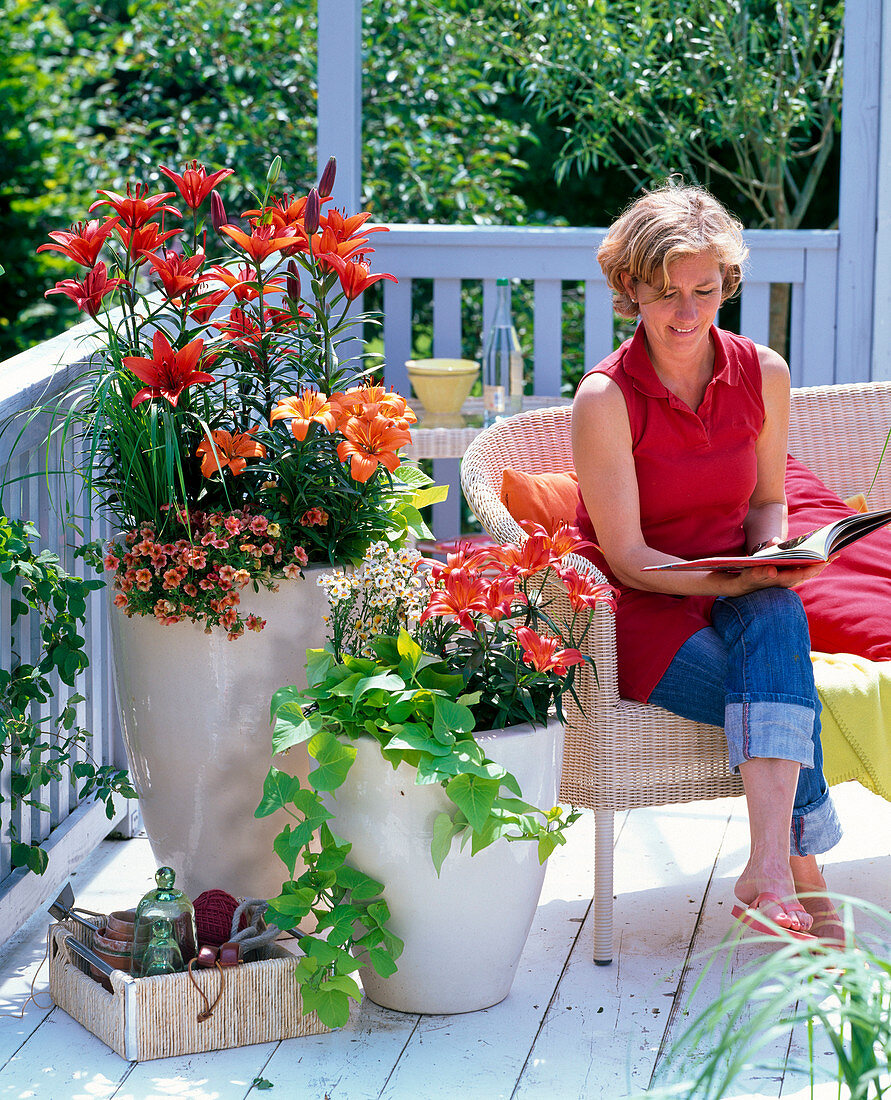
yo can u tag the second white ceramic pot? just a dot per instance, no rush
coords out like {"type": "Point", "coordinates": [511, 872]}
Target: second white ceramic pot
{"type": "Point", "coordinates": [465, 930]}
{"type": "Point", "coordinates": [194, 711]}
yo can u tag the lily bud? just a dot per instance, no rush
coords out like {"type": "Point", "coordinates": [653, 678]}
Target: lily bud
{"type": "Point", "coordinates": [293, 281]}
{"type": "Point", "coordinates": [326, 183]}
{"type": "Point", "coordinates": [311, 213]}
{"type": "Point", "coordinates": [274, 171]}
{"type": "Point", "coordinates": [217, 211]}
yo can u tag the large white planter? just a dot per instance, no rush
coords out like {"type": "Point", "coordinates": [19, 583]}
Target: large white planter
{"type": "Point", "coordinates": [464, 931]}
{"type": "Point", "coordinates": [194, 710]}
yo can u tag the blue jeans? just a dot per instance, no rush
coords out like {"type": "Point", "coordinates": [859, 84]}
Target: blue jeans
{"type": "Point", "coordinates": [751, 673]}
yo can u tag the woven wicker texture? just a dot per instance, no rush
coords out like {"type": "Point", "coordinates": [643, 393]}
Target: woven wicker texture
{"type": "Point", "coordinates": [621, 754]}
{"type": "Point", "coordinates": [158, 1017]}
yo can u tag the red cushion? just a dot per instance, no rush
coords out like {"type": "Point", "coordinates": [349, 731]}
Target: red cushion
{"type": "Point", "coordinates": [849, 605]}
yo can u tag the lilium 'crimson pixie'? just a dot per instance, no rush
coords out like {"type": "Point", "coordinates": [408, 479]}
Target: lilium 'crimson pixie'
{"type": "Point", "coordinates": [136, 207]}
{"type": "Point", "coordinates": [195, 184]}
{"type": "Point", "coordinates": [355, 278]}
{"type": "Point", "coordinates": [88, 293]}
{"type": "Point", "coordinates": [543, 652]}
{"type": "Point", "coordinates": [168, 372]}
{"type": "Point", "coordinates": [177, 273]}
{"type": "Point", "coordinates": [83, 242]}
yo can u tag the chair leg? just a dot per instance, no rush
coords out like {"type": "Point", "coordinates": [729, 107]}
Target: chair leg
{"type": "Point", "coordinates": [603, 886]}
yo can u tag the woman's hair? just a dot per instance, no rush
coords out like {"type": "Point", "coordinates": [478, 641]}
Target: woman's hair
{"type": "Point", "coordinates": [662, 226]}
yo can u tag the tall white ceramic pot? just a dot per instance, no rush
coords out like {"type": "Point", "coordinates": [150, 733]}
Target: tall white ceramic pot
{"type": "Point", "coordinates": [465, 930]}
{"type": "Point", "coordinates": [194, 710]}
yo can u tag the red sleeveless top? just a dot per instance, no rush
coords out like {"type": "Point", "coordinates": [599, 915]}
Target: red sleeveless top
{"type": "Point", "coordinates": [695, 473]}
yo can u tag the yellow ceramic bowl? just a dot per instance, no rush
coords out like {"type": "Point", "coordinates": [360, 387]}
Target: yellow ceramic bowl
{"type": "Point", "coordinates": [442, 385]}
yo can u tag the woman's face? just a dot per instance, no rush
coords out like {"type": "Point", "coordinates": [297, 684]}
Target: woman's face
{"type": "Point", "coordinates": [678, 321]}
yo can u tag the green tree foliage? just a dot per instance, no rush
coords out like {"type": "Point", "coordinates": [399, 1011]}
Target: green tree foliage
{"type": "Point", "coordinates": [742, 95]}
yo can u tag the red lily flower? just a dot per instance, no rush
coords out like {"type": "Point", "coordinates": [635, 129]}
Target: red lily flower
{"type": "Point", "coordinates": [136, 207]}
{"type": "Point", "coordinates": [177, 273]}
{"type": "Point", "coordinates": [168, 372]}
{"type": "Point", "coordinates": [522, 561]}
{"type": "Point", "coordinates": [88, 294]}
{"type": "Point", "coordinates": [332, 254]}
{"type": "Point", "coordinates": [464, 557]}
{"type": "Point", "coordinates": [144, 239]}
{"type": "Point", "coordinates": [462, 595]}
{"type": "Point", "coordinates": [307, 408]}
{"type": "Point", "coordinates": [583, 592]}
{"type": "Point", "coordinates": [500, 598]}
{"type": "Point", "coordinates": [370, 443]}
{"type": "Point", "coordinates": [263, 240]}
{"type": "Point", "coordinates": [242, 283]}
{"type": "Point", "coordinates": [83, 242]}
{"type": "Point", "coordinates": [355, 278]}
{"type": "Point", "coordinates": [230, 449]}
{"type": "Point", "coordinates": [194, 184]}
{"type": "Point", "coordinates": [543, 652]}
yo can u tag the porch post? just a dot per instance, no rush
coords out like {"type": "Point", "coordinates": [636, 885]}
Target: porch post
{"type": "Point", "coordinates": [881, 351]}
{"type": "Point", "coordinates": [339, 112]}
{"type": "Point", "coordinates": [859, 192]}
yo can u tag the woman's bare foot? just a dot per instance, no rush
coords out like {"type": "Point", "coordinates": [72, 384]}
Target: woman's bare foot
{"type": "Point", "coordinates": [812, 893]}
{"type": "Point", "coordinates": [776, 880]}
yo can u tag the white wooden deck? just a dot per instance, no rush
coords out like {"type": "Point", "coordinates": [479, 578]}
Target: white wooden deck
{"type": "Point", "coordinates": [568, 1029]}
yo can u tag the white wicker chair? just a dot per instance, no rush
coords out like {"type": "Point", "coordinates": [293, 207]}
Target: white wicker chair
{"type": "Point", "coordinates": [622, 754]}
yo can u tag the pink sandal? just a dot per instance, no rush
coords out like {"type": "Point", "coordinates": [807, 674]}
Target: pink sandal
{"type": "Point", "coordinates": [748, 916]}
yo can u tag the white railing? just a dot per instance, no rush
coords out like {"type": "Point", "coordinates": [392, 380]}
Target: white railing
{"type": "Point", "coordinates": [558, 262]}
{"type": "Point", "coordinates": [67, 830]}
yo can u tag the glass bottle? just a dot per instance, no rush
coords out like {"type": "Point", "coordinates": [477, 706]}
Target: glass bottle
{"type": "Point", "coordinates": [164, 904]}
{"type": "Point", "coordinates": [502, 362]}
{"type": "Point", "coordinates": [162, 956]}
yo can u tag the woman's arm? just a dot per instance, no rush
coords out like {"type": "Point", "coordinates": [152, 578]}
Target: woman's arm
{"type": "Point", "coordinates": [765, 522]}
{"type": "Point", "coordinates": [601, 440]}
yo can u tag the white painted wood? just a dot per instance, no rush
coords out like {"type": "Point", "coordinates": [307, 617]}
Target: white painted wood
{"type": "Point", "coordinates": [339, 109]}
{"type": "Point", "coordinates": [447, 318]}
{"type": "Point", "coordinates": [818, 325]}
{"type": "Point", "coordinates": [548, 347]}
{"type": "Point", "coordinates": [599, 322]}
{"type": "Point", "coordinates": [397, 336]}
{"type": "Point", "coordinates": [858, 190]}
{"type": "Point", "coordinates": [881, 351]}
{"type": "Point", "coordinates": [755, 311]}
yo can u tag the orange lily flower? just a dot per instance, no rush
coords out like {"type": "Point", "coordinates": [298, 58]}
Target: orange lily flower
{"type": "Point", "coordinates": [463, 594]}
{"type": "Point", "coordinates": [242, 283]}
{"type": "Point", "coordinates": [177, 273]}
{"type": "Point", "coordinates": [168, 372]}
{"type": "Point", "coordinates": [230, 449]}
{"type": "Point", "coordinates": [465, 557]}
{"type": "Point", "coordinates": [500, 598]}
{"type": "Point", "coordinates": [355, 278]}
{"type": "Point", "coordinates": [262, 241]}
{"type": "Point", "coordinates": [522, 561]}
{"type": "Point", "coordinates": [543, 652]}
{"type": "Point", "coordinates": [82, 242]}
{"type": "Point", "coordinates": [368, 400]}
{"type": "Point", "coordinates": [583, 592]}
{"type": "Point", "coordinates": [370, 443]}
{"type": "Point", "coordinates": [307, 408]}
{"type": "Point", "coordinates": [136, 207]}
{"type": "Point", "coordinates": [345, 228]}
{"type": "Point", "coordinates": [87, 294]}
{"type": "Point", "coordinates": [195, 184]}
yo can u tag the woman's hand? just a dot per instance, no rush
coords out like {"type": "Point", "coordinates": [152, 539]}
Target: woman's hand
{"type": "Point", "coordinates": [766, 576]}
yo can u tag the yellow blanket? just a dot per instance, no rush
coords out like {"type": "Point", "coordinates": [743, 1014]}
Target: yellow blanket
{"type": "Point", "coordinates": [856, 719]}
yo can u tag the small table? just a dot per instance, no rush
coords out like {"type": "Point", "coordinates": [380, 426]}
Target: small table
{"type": "Point", "coordinates": [449, 437]}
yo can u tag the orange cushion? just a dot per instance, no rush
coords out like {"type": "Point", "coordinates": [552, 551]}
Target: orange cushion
{"type": "Point", "coordinates": [548, 499]}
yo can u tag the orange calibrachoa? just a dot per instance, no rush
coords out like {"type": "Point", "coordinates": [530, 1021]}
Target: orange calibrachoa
{"type": "Point", "coordinates": [219, 391]}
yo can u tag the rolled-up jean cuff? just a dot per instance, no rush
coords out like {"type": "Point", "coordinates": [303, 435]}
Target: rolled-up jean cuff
{"type": "Point", "coordinates": [765, 728]}
{"type": "Point", "coordinates": [815, 829]}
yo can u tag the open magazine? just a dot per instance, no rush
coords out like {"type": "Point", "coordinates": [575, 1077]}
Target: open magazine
{"type": "Point", "coordinates": [819, 545]}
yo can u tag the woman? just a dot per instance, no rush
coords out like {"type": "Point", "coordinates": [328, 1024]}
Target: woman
{"type": "Point", "coordinates": [679, 440]}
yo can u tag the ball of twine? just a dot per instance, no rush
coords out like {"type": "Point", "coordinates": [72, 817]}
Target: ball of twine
{"type": "Point", "coordinates": [214, 910]}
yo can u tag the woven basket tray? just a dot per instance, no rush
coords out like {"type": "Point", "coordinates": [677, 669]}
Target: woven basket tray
{"type": "Point", "coordinates": [146, 1018]}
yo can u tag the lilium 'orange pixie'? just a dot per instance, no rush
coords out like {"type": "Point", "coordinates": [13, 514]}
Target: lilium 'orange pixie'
{"type": "Point", "coordinates": [543, 652]}
{"type": "Point", "coordinates": [230, 449]}
{"type": "Point", "coordinates": [168, 372]}
{"type": "Point", "coordinates": [195, 184]}
{"type": "Point", "coordinates": [366, 401]}
{"type": "Point", "coordinates": [344, 229]}
{"type": "Point", "coordinates": [355, 277]}
{"type": "Point", "coordinates": [370, 443]}
{"type": "Point", "coordinates": [307, 408]}
{"type": "Point", "coordinates": [583, 592]}
{"type": "Point", "coordinates": [88, 294]}
{"type": "Point", "coordinates": [83, 242]}
{"type": "Point", "coordinates": [262, 241]}
{"type": "Point", "coordinates": [136, 207]}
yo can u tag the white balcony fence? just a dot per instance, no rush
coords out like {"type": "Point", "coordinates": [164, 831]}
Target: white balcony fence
{"type": "Point", "coordinates": [558, 262]}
